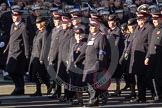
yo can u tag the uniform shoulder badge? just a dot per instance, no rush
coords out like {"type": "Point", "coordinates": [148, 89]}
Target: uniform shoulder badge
{"type": "Point", "coordinates": [158, 32]}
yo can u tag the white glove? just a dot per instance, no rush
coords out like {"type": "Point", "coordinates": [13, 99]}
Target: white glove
{"type": "Point", "coordinates": [2, 44]}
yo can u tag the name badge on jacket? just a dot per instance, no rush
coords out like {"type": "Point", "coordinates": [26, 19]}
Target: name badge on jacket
{"type": "Point", "coordinates": [90, 43]}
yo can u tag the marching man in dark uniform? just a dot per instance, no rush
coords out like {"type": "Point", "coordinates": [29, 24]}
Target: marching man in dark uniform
{"type": "Point", "coordinates": [37, 66]}
{"type": "Point", "coordinates": [18, 51]}
{"type": "Point", "coordinates": [153, 57]}
{"type": "Point", "coordinates": [96, 58]}
{"type": "Point", "coordinates": [115, 32]}
{"type": "Point", "coordinates": [6, 22]}
{"type": "Point", "coordinates": [139, 48]}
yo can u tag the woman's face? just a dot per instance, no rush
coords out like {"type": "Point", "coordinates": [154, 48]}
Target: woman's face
{"type": "Point", "coordinates": [16, 18]}
{"type": "Point", "coordinates": [156, 22]}
{"type": "Point", "coordinates": [111, 24]}
{"type": "Point", "coordinates": [65, 26]}
{"type": "Point", "coordinates": [38, 26]}
{"type": "Point", "coordinates": [131, 28]}
{"type": "Point", "coordinates": [74, 22]}
{"type": "Point", "coordinates": [57, 22]}
{"type": "Point", "coordinates": [77, 37]}
{"type": "Point", "coordinates": [93, 29]}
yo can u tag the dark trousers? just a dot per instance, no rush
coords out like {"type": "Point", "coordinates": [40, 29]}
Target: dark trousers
{"type": "Point", "coordinates": [141, 85]}
{"type": "Point", "coordinates": [155, 69]}
{"type": "Point", "coordinates": [58, 89]}
{"type": "Point", "coordinates": [18, 80]}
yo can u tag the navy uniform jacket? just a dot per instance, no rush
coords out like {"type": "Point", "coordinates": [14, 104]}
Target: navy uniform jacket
{"type": "Point", "coordinates": [140, 46]}
{"type": "Point", "coordinates": [18, 48]}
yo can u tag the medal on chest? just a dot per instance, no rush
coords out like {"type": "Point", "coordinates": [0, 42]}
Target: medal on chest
{"type": "Point", "coordinates": [15, 28]}
{"type": "Point", "coordinates": [78, 49]}
{"type": "Point", "coordinates": [158, 32]}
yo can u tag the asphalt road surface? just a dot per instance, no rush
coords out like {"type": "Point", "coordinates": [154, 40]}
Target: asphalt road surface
{"type": "Point", "coordinates": [26, 101]}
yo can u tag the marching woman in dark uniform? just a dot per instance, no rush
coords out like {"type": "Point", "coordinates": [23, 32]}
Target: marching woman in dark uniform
{"type": "Point", "coordinates": [75, 62]}
{"type": "Point", "coordinates": [37, 67]}
{"type": "Point", "coordinates": [96, 61]}
{"type": "Point", "coordinates": [63, 51]}
{"type": "Point", "coordinates": [125, 58]}
{"type": "Point", "coordinates": [53, 53]}
{"type": "Point", "coordinates": [18, 51]}
{"type": "Point", "coordinates": [153, 57]}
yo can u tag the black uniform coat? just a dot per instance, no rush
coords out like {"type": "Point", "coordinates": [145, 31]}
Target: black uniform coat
{"type": "Point", "coordinates": [31, 27]}
{"type": "Point", "coordinates": [75, 68]}
{"type": "Point", "coordinates": [63, 52]}
{"type": "Point", "coordinates": [38, 54]}
{"type": "Point", "coordinates": [18, 48]}
{"type": "Point", "coordinates": [3, 38]}
{"type": "Point", "coordinates": [7, 22]}
{"type": "Point", "coordinates": [155, 55]}
{"type": "Point", "coordinates": [96, 57]}
{"type": "Point", "coordinates": [119, 42]}
{"type": "Point", "coordinates": [127, 45]}
{"type": "Point", "coordinates": [139, 48]}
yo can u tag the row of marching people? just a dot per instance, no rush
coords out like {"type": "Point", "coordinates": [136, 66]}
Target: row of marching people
{"type": "Point", "coordinates": [68, 47]}
{"type": "Point", "coordinates": [79, 56]}
{"type": "Point", "coordinates": [141, 56]}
